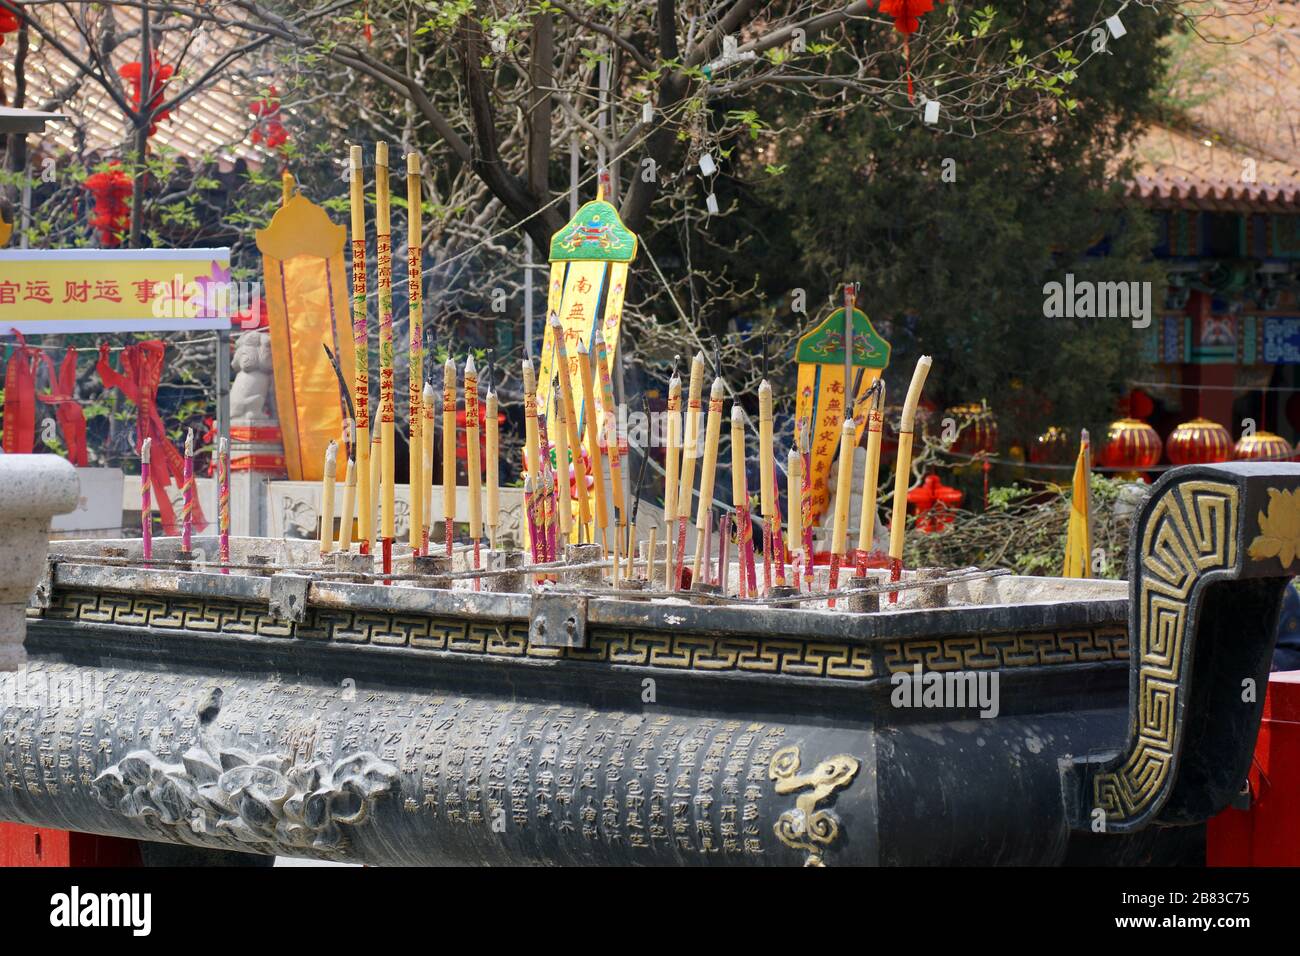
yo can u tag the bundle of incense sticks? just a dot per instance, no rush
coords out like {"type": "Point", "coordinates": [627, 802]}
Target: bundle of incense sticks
{"type": "Point", "coordinates": [843, 489]}
{"type": "Point", "coordinates": [223, 503]}
{"type": "Point", "coordinates": [387, 396]}
{"type": "Point", "coordinates": [740, 501]}
{"type": "Point", "coordinates": [349, 504]}
{"type": "Point", "coordinates": [426, 441]}
{"type": "Point", "coordinates": [146, 498]}
{"type": "Point", "coordinates": [327, 498]}
{"type": "Point", "coordinates": [492, 439]}
{"type": "Point", "coordinates": [361, 348]}
{"type": "Point", "coordinates": [871, 476]}
{"type": "Point", "coordinates": [766, 478]}
{"type": "Point", "coordinates": [532, 465]}
{"type": "Point", "coordinates": [903, 470]}
{"type": "Point", "coordinates": [573, 442]}
{"type": "Point", "coordinates": [794, 495]}
{"type": "Point", "coordinates": [609, 433]}
{"type": "Point", "coordinates": [600, 512]}
{"type": "Point", "coordinates": [418, 447]}
{"type": "Point", "coordinates": [473, 464]}
{"type": "Point", "coordinates": [708, 473]}
{"type": "Point", "coordinates": [187, 493]}
{"type": "Point", "coordinates": [690, 456]}
{"type": "Point", "coordinates": [449, 451]}
{"type": "Point", "coordinates": [671, 456]}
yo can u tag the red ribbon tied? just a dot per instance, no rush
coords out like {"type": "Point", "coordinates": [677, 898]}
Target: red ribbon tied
{"type": "Point", "coordinates": [142, 366]}
{"type": "Point", "coordinates": [21, 397]}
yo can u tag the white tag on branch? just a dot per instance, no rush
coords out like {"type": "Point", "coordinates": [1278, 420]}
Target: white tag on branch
{"type": "Point", "coordinates": [711, 204]}
{"type": "Point", "coordinates": [707, 166]}
{"type": "Point", "coordinates": [931, 112]}
{"type": "Point", "coordinates": [647, 113]}
{"type": "Point", "coordinates": [1116, 26]}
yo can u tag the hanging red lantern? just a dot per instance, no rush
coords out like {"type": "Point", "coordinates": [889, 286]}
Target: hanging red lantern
{"type": "Point", "coordinates": [1263, 446]}
{"type": "Point", "coordinates": [1199, 442]}
{"type": "Point", "coordinates": [111, 189]}
{"type": "Point", "coordinates": [9, 23]}
{"type": "Point", "coordinates": [1052, 447]}
{"type": "Point", "coordinates": [268, 130]}
{"type": "Point", "coordinates": [1131, 445]}
{"type": "Point", "coordinates": [907, 18]}
{"type": "Point", "coordinates": [159, 74]}
{"type": "Point", "coordinates": [933, 503]}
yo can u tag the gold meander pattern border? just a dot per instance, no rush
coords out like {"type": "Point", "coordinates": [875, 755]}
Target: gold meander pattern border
{"type": "Point", "coordinates": [678, 652]}
{"type": "Point", "coordinates": [1191, 530]}
{"type": "Point", "coordinates": [1000, 651]}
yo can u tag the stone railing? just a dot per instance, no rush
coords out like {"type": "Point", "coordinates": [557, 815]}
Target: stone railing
{"type": "Point", "coordinates": [33, 489]}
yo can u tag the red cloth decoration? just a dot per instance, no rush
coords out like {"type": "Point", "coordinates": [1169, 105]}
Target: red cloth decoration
{"type": "Point", "coordinates": [71, 418]}
{"type": "Point", "coordinates": [907, 18]}
{"type": "Point", "coordinates": [159, 74]}
{"type": "Point", "coordinates": [111, 189]}
{"type": "Point", "coordinates": [143, 365]}
{"type": "Point", "coordinates": [21, 397]}
{"type": "Point", "coordinates": [268, 130]}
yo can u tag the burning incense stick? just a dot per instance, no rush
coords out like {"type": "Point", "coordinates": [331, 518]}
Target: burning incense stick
{"type": "Point", "coordinates": [871, 477]}
{"type": "Point", "coordinates": [449, 450]}
{"type": "Point", "coordinates": [740, 500]}
{"type": "Point", "coordinates": [650, 554]}
{"type": "Point", "coordinates": [671, 461]}
{"type": "Point", "coordinates": [146, 498]}
{"type": "Point", "coordinates": [492, 436]}
{"type": "Point", "coordinates": [532, 450]}
{"type": "Point", "coordinates": [565, 369]}
{"type": "Point", "coordinates": [724, 557]}
{"type": "Point", "coordinates": [473, 463]}
{"type": "Point", "coordinates": [360, 337]}
{"type": "Point", "coordinates": [187, 493]}
{"type": "Point", "coordinates": [903, 471]}
{"type": "Point", "coordinates": [327, 498]}
{"type": "Point", "coordinates": [591, 425]}
{"type": "Point", "coordinates": [766, 477]}
{"type": "Point", "coordinates": [419, 536]}
{"type": "Point", "coordinates": [708, 472]}
{"type": "Point", "coordinates": [794, 496]}
{"type": "Point", "coordinates": [843, 491]}
{"type": "Point", "coordinates": [223, 504]}
{"type": "Point", "coordinates": [426, 442]}
{"type": "Point", "coordinates": [690, 454]}
{"type": "Point", "coordinates": [547, 503]}
{"type": "Point", "coordinates": [349, 499]}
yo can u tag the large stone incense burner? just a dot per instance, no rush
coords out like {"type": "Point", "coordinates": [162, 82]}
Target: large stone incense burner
{"type": "Point", "coordinates": [286, 712]}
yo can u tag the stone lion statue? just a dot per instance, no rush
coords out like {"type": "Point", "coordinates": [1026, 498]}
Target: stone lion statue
{"type": "Point", "coordinates": [252, 393]}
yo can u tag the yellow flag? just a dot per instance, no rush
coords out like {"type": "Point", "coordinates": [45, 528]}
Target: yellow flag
{"type": "Point", "coordinates": [1078, 539]}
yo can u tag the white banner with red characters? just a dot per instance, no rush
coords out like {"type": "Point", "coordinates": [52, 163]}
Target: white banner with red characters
{"type": "Point", "coordinates": [120, 290]}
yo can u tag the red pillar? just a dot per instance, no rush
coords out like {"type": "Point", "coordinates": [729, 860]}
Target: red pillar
{"type": "Point", "coordinates": [1268, 834]}
{"type": "Point", "coordinates": [22, 845]}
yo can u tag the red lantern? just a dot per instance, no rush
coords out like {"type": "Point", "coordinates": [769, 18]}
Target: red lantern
{"type": "Point", "coordinates": [933, 503]}
{"type": "Point", "coordinates": [111, 189]}
{"type": "Point", "coordinates": [1052, 447]}
{"type": "Point", "coordinates": [1132, 446]}
{"type": "Point", "coordinates": [907, 18]}
{"type": "Point", "coordinates": [1263, 446]}
{"type": "Point", "coordinates": [268, 129]}
{"type": "Point", "coordinates": [8, 23]}
{"type": "Point", "coordinates": [159, 73]}
{"type": "Point", "coordinates": [1199, 442]}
